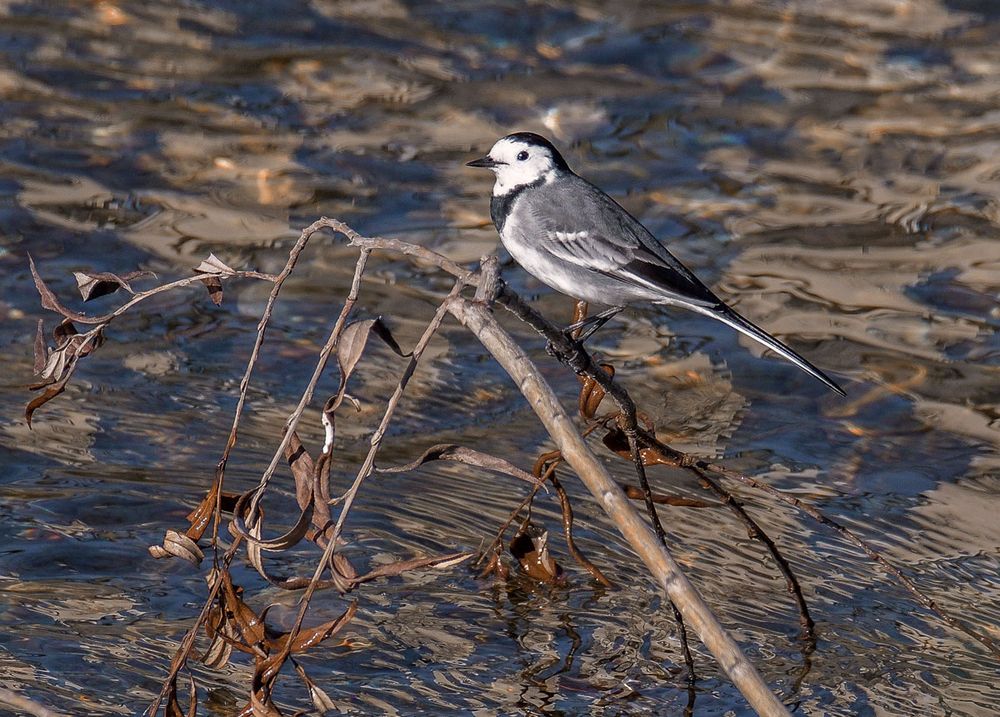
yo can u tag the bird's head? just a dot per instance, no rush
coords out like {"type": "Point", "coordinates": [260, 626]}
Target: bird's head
{"type": "Point", "coordinates": [521, 158]}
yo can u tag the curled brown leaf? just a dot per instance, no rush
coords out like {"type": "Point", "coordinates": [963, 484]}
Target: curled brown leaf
{"type": "Point", "coordinates": [530, 548]}
{"type": "Point", "coordinates": [178, 545]}
{"type": "Point", "coordinates": [283, 542]}
{"type": "Point", "coordinates": [591, 394]}
{"type": "Point", "coordinates": [214, 286]}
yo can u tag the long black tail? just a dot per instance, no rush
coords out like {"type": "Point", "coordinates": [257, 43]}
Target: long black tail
{"type": "Point", "coordinates": [728, 316]}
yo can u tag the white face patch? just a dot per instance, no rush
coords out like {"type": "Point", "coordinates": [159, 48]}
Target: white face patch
{"type": "Point", "coordinates": [522, 164]}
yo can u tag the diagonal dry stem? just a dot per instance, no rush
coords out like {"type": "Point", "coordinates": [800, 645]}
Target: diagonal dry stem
{"type": "Point", "coordinates": [609, 495]}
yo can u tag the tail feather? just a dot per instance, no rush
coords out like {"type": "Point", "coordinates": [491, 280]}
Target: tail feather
{"type": "Point", "coordinates": [731, 318]}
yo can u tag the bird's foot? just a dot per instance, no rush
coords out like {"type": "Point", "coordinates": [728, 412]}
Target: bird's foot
{"type": "Point", "coordinates": [568, 352]}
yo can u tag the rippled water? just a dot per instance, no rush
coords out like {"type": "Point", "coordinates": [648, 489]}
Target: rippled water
{"type": "Point", "coordinates": [833, 169]}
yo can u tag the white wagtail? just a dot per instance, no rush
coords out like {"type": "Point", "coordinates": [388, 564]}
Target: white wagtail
{"type": "Point", "coordinates": [572, 236]}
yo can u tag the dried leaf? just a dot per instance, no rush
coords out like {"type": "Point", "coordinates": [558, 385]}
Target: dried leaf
{"type": "Point", "coordinates": [567, 520]}
{"type": "Point", "coordinates": [591, 394]}
{"type": "Point", "coordinates": [214, 286]}
{"type": "Point", "coordinates": [309, 637]}
{"type": "Point", "coordinates": [173, 708]}
{"type": "Point", "coordinates": [616, 441]}
{"type": "Point", "coordinates": [343, 567]}
{"type": "Point", "coordinates": [71, 346]}
{"type": "Point", "coordinates": [220, 648]}
{"type": "Point", "coordinates": [282, 542]}
{"type": "Point", "coordinates": [353, 341]}
{"type": "Point", "coordinates": [179, 546]}
{"type": "Point", "coordinates": [192, 697]}
{"type": "Point", "coordinates": [469, 456]}
{"type": "Point", "coordinates": [261, 704]}
{"type": "Point", "coordinates": [321, 701]}
{"type": "Point", "coordinates": [55, 367]}
{"type": "Point", "coordinates": [49, 394]}
{"type": "Point", "coordinates": [530, 547]}
{"type": "Point", "coordinates": [94, 285]}
{"type": "Point", "coordinates": [202, 514]}
{"type": "Point", "coordinates": [250, 626]}
{"type": "Point", "coordinates": [301, 464]}
{"type": "Point", "coordinates": [351, 346]}
{"type": "Point", "coordinates": [228, 501]}
{"type": "Point", "coordinates": [49, 300]}
{"type": "Point", "coordinates": [64, 331]}
{"type": "Point", "coordinates": [214, 265]}
{"type": "Point", "coordinates": [311, 479]}
{"type": "Point", "coordinates": [440, 562]}
{"type": "Point", "coordinates": [40, 348]}
{"type": "Point", "coordinates": [382, 331]}
{"type": "Point", "coordinates": [220, 628]}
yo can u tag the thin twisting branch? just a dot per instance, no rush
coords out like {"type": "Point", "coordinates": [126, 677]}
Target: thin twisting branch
{"type": "Point", "coordinates": [807, 632]}
{"type": "Point", "coordinates": [368, 464]}
{"type": "Point", "coordinates": [581, 362]}
{"type": "Point", "coordinates": [293, 420]}
{"type": "Point", "coordinates": [279, 280]}
{"type": "Point", "coordinates": [567, 518]}
{"type": "Point", "coordinates": [850, 536]}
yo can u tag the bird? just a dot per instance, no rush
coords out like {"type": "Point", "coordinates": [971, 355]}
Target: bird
{"type": "Point", "coordinates": [570, 235]}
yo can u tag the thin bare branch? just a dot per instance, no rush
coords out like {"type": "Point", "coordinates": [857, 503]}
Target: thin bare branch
{"type": "Point", "coordinates": [368, 465]}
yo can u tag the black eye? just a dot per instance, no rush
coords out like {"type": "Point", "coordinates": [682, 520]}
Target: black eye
{"type": "Point", "coordinates": [522, 155]}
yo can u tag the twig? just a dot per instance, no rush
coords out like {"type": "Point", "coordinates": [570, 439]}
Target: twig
{"type": "Point", "coordinates": [293, 419]}
{"type": "Point", "coordinates": [279, 280]}
{"type": "Point", "coordinates": [369, 462]}
{"type": "Point", "coordinates": [467, 277]}
{"type": "Point", "coordinates": [581, 362]}
{"type": "Point", "coordinates": [807, 633]}
{"type": "Point", "coordinates": [567, 520]}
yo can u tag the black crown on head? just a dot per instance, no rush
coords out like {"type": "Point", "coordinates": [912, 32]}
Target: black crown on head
{"type": "Point", "coordinates": [536, 140]}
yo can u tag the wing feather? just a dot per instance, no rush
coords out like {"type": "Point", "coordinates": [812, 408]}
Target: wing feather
{"type": "Point", "coordinates": [584, 226]}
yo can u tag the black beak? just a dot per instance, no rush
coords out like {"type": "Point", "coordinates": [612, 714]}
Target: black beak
{"type": "Point", "coordinates": [487, 162]}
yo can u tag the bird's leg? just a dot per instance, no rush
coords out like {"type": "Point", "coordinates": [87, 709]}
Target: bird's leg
{"type": "Point", "coordinates": [591, 324]}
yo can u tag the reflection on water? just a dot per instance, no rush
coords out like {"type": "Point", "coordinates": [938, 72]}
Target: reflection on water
{"type": "Point", "coordinates": [833, 168]}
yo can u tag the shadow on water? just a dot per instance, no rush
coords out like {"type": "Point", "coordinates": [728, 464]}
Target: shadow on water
{"type": "Point", "coordinates": [832, 168]}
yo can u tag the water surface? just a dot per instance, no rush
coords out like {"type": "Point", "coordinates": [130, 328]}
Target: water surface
{"type": "Point", "coordinates": [832, 169]}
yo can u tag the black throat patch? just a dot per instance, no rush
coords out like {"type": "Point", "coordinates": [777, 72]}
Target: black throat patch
{"type": "Point", "coordinates": [500, 206]}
